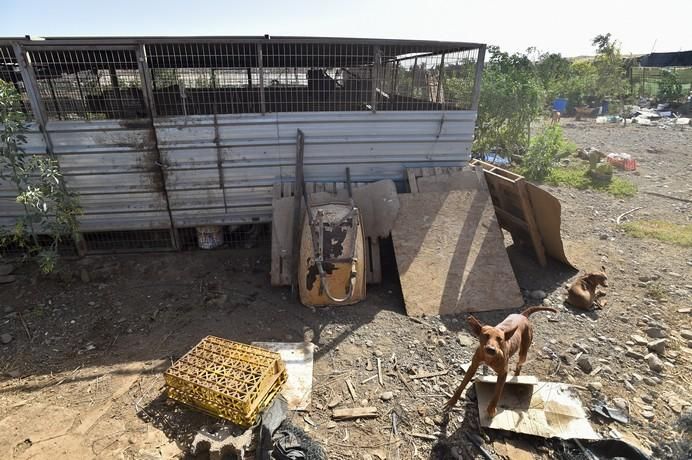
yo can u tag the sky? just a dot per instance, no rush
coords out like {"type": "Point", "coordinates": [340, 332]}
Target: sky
{"type": "Point", "coordinates": [549, 25]}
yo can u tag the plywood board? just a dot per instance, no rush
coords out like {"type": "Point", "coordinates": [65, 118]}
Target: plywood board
{"type": "Point", "coordinates": [298, 358]}
{"type": "Point", "coordinates": [451, 255]}
{"type": "Point", "coordinates": [546, 409]}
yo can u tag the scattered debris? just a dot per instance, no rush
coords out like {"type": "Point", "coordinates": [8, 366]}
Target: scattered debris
{"type": "Point", "coordinates": [614, 413]}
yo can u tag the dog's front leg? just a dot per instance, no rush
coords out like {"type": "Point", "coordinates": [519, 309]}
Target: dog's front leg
{"type": "Point", "coordinates": [499, 386]}
{"type": "Point", "coordinates": [460, 389]}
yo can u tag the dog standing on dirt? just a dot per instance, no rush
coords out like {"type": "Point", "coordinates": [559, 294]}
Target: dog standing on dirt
{"type": "Point", "coordinates": [584, 293]}
{"type": "Point", "coordinates": [497, 346]}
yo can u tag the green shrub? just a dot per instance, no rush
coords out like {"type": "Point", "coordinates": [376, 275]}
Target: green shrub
{"type": "Point", "coordinates": [545, 149]}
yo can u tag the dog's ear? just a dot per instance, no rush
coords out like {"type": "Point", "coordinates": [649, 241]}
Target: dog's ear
{"type": "Point", "coordinates": [476, 326]}
{"type": "Point", "coordinates": [510, 333]}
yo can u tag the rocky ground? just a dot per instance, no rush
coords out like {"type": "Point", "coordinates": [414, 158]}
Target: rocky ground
{"type": "Point", "coordinates": [82, 353]}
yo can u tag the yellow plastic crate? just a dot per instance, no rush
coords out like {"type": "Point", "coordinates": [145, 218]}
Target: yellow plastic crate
{"type": "Point", "coordinates": [227, 379]}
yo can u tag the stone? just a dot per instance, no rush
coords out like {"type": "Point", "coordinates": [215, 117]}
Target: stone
{"type": "Point", "coordinates": [595, 386]}
{"type": "Point", "coordinates": [7, 309]}
{"type": "Point", "coordinates": [634, 354]}
{"type": "Point", "coordinates": [6, 269]}
{"type": "Point", "coordinates": [647, 398]}
{"type": "Point", "coordinates": [585, 364]}
{"type": "Point", "coordinates": [6, 338]}
{"type": "Point", "coordinates": [652, 381]}
{"type": "Point", "coordinates": [537, 294]}
{"type": "Point", "coordinates": [636, 377]}
{"type": "Point", "coordinates": [647, 414]}
{"type": "Point", "coordinates": [657, 346]}
{"type": "Point", "coordinates": [686, 334]}
{"type": "Point", "coordinates": [84, 275]}
{"type": "Point", "coordinates": [442, 330]}
{"type": "Point", "coordinates": [379, 353]}
{"type": "Point", "coordinates": [654, 362]}
{"type": "Point", "coordinates": [621, 404]}
{"type": "Point", "coordinates": [368, 343]}
{"type": "Point", "coordinates": [7, 279]}
{"type": "Point", "coordinates": [441, 343]}
{"type": "Point", "coordinates": [656, 332]}
{"type": "Point", "coordinates": [465, 340]}
{"type": "Point", "coordinates": [638, 339]}
{"type": "Point", "coordinates": [387, 395]}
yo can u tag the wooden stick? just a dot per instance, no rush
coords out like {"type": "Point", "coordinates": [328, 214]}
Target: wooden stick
{"type": "Point", "coordinates": [429, 437]}
{"type": "Point", "coordinates": [351, 389]}
{"type": "Point", "coordinates": [379, 372]}
{"type": "Point", "coordinates": [26, 328]}
{"type": "Point", "coordinates": [356, 412]}
{"type": "Point", "coordinates": [408, 387]}
{"type": "Point", "coordinates": [617, 221]}
{"type": "Point", "coordinates": [426, 375]}
{"type": "Point", "coordinates": [368, 379]}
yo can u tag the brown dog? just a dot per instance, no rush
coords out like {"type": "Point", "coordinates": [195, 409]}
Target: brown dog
{"type": "Point", "coordinates": [584, 293]}
{"type": "Point", "coordinates": [498, 344]}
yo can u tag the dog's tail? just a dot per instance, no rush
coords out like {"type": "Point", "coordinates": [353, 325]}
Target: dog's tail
{"type": "Point", "coordinates": [529, 311]}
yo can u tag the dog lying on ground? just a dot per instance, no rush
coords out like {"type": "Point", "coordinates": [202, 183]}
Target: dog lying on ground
{"type": "Point", "coordinates": [584, 293]}
{"type": "Point", "coordinates": [497, 346]}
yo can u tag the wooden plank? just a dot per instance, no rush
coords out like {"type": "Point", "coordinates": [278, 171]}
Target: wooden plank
{"type": "Point", "coordinates": [356, 412]}
{"type": "Point", "coordinates": [427, 375]}
{"type": "Point", "coordinates": [502, 214]}
{"type": "Point", "coordinates": [298, 199]}
{"type": "Point", "coordinates": [451, 255]}
{"type": "Point", "coordinates": [412, 183]}
{"type": "Point", "coordinates": [374, 265]}
{"type": "Point", "coordinates": [531, 221]}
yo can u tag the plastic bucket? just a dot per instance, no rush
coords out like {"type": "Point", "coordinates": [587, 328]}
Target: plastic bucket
{"type": "Point", "coordinates": [560, 105]}
{"type": "Point", "coordinates": [209, 236]}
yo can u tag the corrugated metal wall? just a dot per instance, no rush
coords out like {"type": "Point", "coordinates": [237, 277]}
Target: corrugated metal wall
{"type": "Point", "coordinates": [221, 170]}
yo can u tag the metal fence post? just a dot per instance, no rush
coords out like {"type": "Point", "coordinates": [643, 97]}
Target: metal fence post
{"type": "Point", "coordinates": [40, 115]}
{"type": "Point", "coordinates": [377, 64]}
{"type": "Point", "coordinates": [260, 66]}
{"type": "Point", "coordinates": [477, 82]}
{"type": "Point", "coordinates": [148, 96]}
{"type": "Point", "coordinates": [440, 80]}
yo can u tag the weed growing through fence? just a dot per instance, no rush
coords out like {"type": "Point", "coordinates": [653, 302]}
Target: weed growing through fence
{"type": "Point", "coordinates": [668, 232]}
{"type": "Point", "coordinates": [49, 209]}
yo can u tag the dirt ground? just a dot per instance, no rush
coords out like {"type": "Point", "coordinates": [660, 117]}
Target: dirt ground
{"type": "Point", "coordinates": [82, 374]}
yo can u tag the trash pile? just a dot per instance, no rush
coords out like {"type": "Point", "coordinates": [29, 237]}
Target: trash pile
{"type": "Point", "coordinates": [661, 116]}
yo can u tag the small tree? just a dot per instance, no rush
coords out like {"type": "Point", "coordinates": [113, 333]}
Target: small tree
{"type": "Point", "coordinates": [670, 88]}
{"type": "Point", "coordinates": [511, 98]}
{"type": "Point", "coordinates": [48, 208]}
{"type": "Point", "coordinates": [611, 76]}
{"type": "Point", "coordinates": [545, 149]}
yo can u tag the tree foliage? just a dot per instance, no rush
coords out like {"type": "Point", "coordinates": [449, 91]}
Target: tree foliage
{"type": "Point", "coordinates": [670, 88]}
{"type": "Point", "coordinates": [48, 208]}
{"type": "Point", "coordinates": [511, 98]}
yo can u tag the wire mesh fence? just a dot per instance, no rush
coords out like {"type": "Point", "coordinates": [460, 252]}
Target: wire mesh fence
{"type": "Point", "coordinates": [11, 73]}
{"type": "Point", "coordinates": [85, 84]}
{"type": "Point", "coordinates": [197, 78]}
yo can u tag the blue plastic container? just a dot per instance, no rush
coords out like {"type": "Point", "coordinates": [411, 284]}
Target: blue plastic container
{"type": "Point", "coordinates": [560, 105]}
{"type": "Point", "coordinates": [605, 105]}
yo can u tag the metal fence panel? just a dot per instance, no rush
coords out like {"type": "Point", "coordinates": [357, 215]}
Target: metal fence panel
{"type": "Point", "coordinates": [221, 169]}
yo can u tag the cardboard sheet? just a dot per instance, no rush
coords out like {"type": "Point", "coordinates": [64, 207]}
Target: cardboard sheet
{"type": "Point", "coordinates": [298, 358]}
{"type": "Point", "coordinates": [546, 211]}
{"type": "Point", "coordinates": [545, 409]}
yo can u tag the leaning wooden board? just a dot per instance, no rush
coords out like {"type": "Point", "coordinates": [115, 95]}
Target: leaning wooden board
{"type": "Point", "coordinates": [451, 255]}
